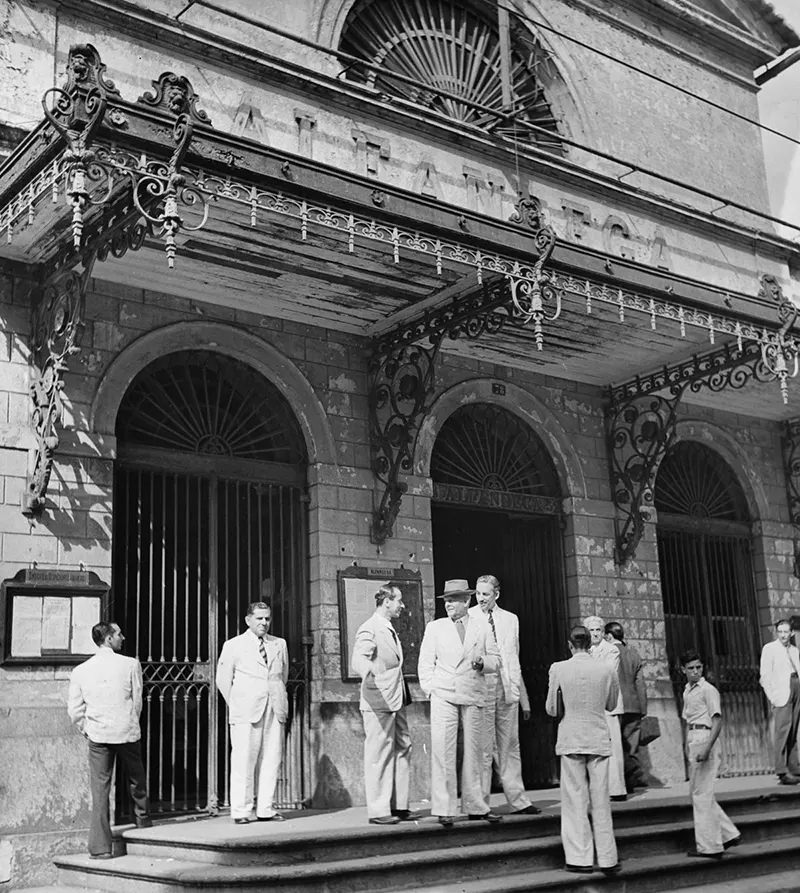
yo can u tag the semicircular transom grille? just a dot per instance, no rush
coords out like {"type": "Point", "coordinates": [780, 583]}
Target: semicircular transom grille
{"type": "Point", "coordinates": [693, 480]}
{"type": "Point", "coordinates": [489, 448]}
{"type": "Point", "coordinates": [201, 402]}
{"type": "Point", "coordinates": [453, 47]}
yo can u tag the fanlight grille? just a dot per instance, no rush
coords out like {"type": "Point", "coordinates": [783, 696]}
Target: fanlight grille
{"type": "Point", "coordinates": [453, 47]}
{"type": "Point", "coordinates": [488, 448]}
{"type": "Point", "coordinates": [693, 480]}
{"type": "Point", "coordinates": [202, 402]}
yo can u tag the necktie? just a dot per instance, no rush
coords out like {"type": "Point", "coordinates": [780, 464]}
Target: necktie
{"type": "Point", "coordinates": [491, 623]}
{"type": "Point", "coordinates": [461, 630]}
{"type": "Point", "coordinates": [262, 650]}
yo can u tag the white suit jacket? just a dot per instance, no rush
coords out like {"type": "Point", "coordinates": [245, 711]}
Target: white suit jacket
{"type": "Point", "coordinates": [609, 654]}
{"type": "Point", "coordinates": [445, 664]}
{"type": "Point", "coordinates": [506, 626]}
{"type": "Point", "coordinates": [105, 697]}
{"type": "Point", "coordinates": [247, 683]}
{"type": "Point", "coordinates": [378, 659]}
{"type": "Point", "coordinates": [776, 668]}
{"type": "Point", "coordinates": [589, 688]}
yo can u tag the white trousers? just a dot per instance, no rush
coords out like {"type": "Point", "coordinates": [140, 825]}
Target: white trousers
{"type": "Point", "coordinates": [501, 746]}
{"type": "Point", "coordinates": [387, 758]}
{"type": "Point", "coordinates": [616, 765]}
{"type": "Point", "coordinates": [444, 738]}
{"type": "Point", "coordinates": [712, 827]}
{"type": "Point", "coordinates": [256, 750]}
{"type": "Point", "coordinates": [584, 789]}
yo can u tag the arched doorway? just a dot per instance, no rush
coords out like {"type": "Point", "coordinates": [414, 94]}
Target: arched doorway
{"type": "Point", "coordinates": [708, 590]}
{"type": "Point", "coordinates": [209, 515]}
{"type": "Point", "coordinates": [497, 509]}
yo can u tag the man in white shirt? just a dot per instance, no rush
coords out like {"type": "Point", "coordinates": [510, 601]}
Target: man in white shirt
{"type": "Point", "coordinates": [251, 677]}
{"type": "Point", "coordinates": [378, 659]}
{"type": "Point", "coordinates": [607, 653]}
{"type": "Point", "coordinates": [104, 702]}
{"type": "Point", "coordinates": [780, 666]}
{"type": "Point", "coordinates": [505, 694]}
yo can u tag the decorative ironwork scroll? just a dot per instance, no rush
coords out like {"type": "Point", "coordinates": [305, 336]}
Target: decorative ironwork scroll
{"type": "Point", "coordinates": [76, 112]}
{"type": "Point", "coordinates": [791, 467]}
{"type": "Point", "coordinates": [175, 95]}
{"type": "Point", "coordinates": [779, 355]}
{"type": "Point", "coordinates": [401, 385]}
{"type": "Point", "coordinates": [57, 326]}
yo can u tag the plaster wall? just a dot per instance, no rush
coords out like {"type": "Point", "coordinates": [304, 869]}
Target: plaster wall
{"type": "Point", "coordinates": [76, 527]}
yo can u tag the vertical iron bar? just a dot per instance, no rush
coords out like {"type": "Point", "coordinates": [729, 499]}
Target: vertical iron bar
{"type": "Point", "coordinates": [175, 615]}
{"type": "Point", "coordinates": [163, 594]}
{"type": "Point", "coordinates": [213, 636]}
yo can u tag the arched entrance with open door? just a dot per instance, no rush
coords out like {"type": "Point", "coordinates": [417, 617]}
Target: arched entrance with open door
{"type": "Point", "coordinates": [497, 510]}
{"type": "Point", "coordinates": [708, 590]}
{"type": "Point", "coordinates": [209, 515]}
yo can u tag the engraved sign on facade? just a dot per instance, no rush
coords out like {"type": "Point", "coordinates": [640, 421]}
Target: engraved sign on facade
{"type": "Point", "coordinates": [496, 499]}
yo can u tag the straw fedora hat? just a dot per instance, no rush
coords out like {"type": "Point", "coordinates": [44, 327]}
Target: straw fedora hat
{"type": "Point", "coordinates": [454, 588]}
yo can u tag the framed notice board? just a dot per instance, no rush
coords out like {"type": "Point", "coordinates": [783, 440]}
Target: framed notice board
{"type": "Point", "coordinates": [46, 616]}
{"type": "Point", "coordinates": [357, 588]}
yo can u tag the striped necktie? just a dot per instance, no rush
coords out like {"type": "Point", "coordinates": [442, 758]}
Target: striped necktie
{"type": "Point", "coordinates": [491, 623]}
{"type": "Point", "coordinates": [262, 649]}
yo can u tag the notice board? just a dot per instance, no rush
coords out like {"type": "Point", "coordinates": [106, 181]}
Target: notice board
{"type": "Point", "coordinates": [357, 588]}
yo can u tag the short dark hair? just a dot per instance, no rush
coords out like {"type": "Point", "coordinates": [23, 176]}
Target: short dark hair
{"type": "Point", "coordinates": [782, 621]}
{"type": "Point", "coordinates": [580, 638]}
{"type": "Point", "coordinates": [258, 606]}
{"type": "Point", "coordinates": [387, 592]}
{"type": "Point", "coordinates": [101, 631]}
{"type": "Point", "coordinates": [616, 630]}
{"type": "Point", "coordinates": [689, 655]}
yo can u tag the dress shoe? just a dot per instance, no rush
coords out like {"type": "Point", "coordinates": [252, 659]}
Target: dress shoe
{"type": "Point", "coordinates": [695, 853]}
{"type": "Point", "coordinates": [406, 815]}
{"type": "Point", "coordinates": [579, 869]}
{"type": "Point", "coordinates": [788, 778]}
{"type": "Point", "coordinates": [275, 817]}
{"type": "Point", "coordinates": [144, 822]}
{"type": "Point", "coordinates": [734, 841]}
{"type": "Point", "coordinates": [491, 817]}
{"type": "Point", "coordinates": [527, 810]}
{"type": "Point", "coordinates": [384, 820]}
{"type": "Point", "coordinates": [101, 855]}
{"type": "Point", "coordinates": [611, 869]}
{"type": "Point", "coordinates": [446, 821]}
{"type": "Point", "coordinates": [619, 798]}
{"type": "Point", "coordinates": [242, 821]}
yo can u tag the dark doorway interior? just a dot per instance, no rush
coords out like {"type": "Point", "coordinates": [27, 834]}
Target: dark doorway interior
{"type": "Point", "coordinates": [524, 553]}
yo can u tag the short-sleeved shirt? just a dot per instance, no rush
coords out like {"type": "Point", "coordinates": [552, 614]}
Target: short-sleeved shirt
{"type": "Point", "coordinates": [700, 703]}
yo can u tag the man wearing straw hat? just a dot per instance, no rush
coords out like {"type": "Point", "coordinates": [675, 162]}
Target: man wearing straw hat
{"type": "Point", "coordinates": [456, 650]}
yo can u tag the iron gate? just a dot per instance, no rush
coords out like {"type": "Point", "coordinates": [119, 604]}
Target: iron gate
{"type": "Point", "coordinates": [709, 604]}
{"type": "Point", "coordinates": [191, 551]}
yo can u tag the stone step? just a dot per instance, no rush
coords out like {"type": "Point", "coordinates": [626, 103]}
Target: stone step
{"type": "Point", "coordinates": [493, 860]}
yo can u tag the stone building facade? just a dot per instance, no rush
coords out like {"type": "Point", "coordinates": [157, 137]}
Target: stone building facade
{"type": "Point", "coordinates": [567, 309]}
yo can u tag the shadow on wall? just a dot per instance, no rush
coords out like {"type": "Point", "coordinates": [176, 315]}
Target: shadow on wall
{"type": "Point", "coordinates": [330, 792]}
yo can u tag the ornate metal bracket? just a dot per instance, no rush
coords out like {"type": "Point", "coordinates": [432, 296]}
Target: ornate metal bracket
{"type": "Point", "coordinates": [779, 355]}
{"type": "Point", "coordinates": [791, 466]}
{"type": "Point", "coordinates": [401, 385]}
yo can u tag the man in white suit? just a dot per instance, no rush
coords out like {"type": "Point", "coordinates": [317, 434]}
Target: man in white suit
{"type": "Point", "coordinates": [506, 693]}
{"type": "Point", "coordinates": [378, 659]}
{"type": "Point", "coordinates": [580, 692]}
{"type": "Point", "coordinates": [604, 651]}
{"type": "Point", "coordinates": [251, 676]}
{"type": "Point", "coordinates": [780, 666]}
{"type": "Point", "coordinates": [455, 653]}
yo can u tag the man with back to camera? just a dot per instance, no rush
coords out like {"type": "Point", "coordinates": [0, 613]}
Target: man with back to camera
{"type": "Point", "coordinates": [634, 703]}
{"type": "Point", "coordinates": [251, 677]}
{"type": "Point", "coordinates": [104, 702]}
{"type": "Point", "coordinates": [780, 666]}
{"type": "Point", "coordinates": [587, 689]}
{"type": "Point", "coordinates": [604, 651]}
{"type": "Point", "coordinates": [378, 659]}
{"type": "Point", "coordinates": [506, 693]}
{"type": "Point", "coordinates": [455, 653]}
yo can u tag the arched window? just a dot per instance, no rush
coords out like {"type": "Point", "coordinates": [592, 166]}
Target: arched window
{"type": "Point", "coordinates": [454, 47]}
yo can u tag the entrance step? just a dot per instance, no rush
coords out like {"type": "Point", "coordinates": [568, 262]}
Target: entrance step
{"type": "Point", "coordinates": [522, 853]}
